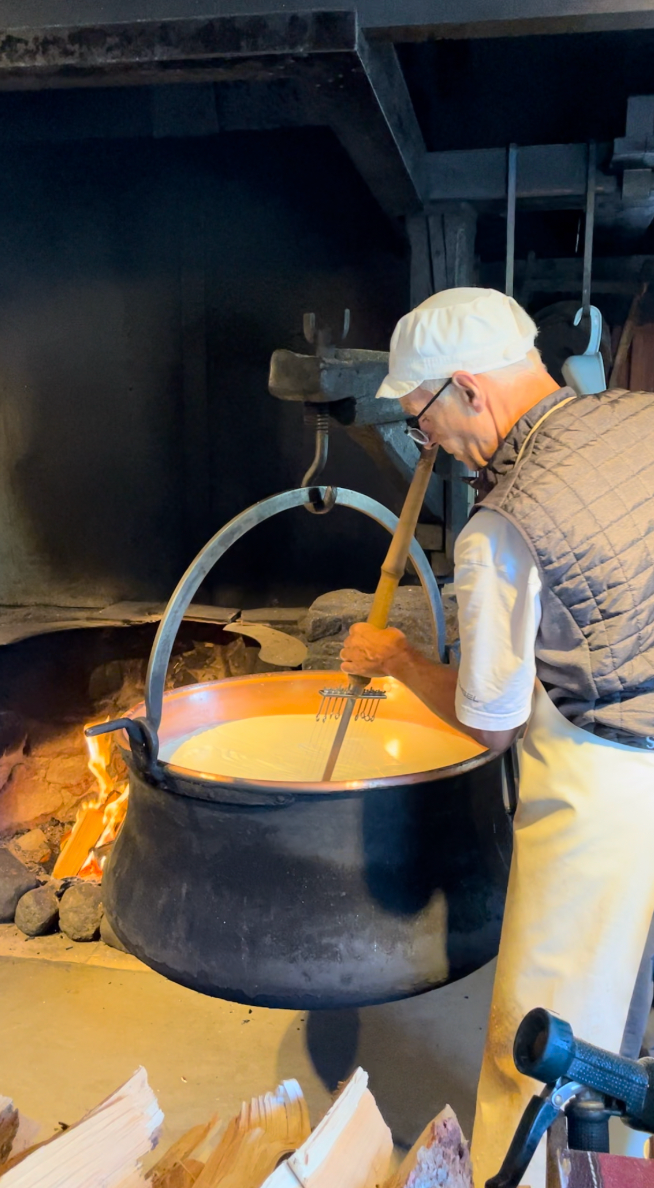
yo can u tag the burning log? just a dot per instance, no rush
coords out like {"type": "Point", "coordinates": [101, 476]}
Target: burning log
{"type": "Point", "coordinates": [84, 836]}
{"type": "Point", "coordinates": [98, 820]}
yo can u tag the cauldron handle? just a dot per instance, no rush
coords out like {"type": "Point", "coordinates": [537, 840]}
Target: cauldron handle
{"type": "Point", "coordinates": [199, 568]}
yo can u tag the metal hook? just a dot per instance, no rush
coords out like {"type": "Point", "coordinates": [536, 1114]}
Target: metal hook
{"type": "Point", "coordinates": [143, 739]}
{"type": "Point", "coordinates": [595, 328]}
{"type": "Point", "coordinates": [316, 504]}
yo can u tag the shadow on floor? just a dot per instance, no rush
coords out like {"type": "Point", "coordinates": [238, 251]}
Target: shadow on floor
{"type": "Point", "coordinates": [420, 1054]}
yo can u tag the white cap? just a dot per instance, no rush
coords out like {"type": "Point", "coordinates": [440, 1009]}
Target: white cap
{"type": "Point", "coordinates": [472, 330]}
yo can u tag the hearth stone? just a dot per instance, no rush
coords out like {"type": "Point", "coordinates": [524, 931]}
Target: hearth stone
{"type": "Point", "coordinates": [15, 881]}
{"type": "Point", "coordinates": [80, 912]}
{"type": "Point", "coordinates": [38, 912]}
{"type": "Point", "coordinates": [32, 847]}
{"type": "Point", "coordinates": [328, 620]}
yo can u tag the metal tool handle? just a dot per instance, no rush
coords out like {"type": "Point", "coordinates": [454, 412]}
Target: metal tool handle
{"type": "Point", "coordinates": [539, 1115]}
{"type": "Point", "coordinates": [227, 536]}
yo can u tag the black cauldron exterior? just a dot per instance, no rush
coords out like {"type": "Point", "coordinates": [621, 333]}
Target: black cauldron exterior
{"type": "Point", "coordinates": [306, 896]}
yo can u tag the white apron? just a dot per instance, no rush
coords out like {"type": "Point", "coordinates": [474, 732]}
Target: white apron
{"type": "Point", "coordinates": [578, 910]}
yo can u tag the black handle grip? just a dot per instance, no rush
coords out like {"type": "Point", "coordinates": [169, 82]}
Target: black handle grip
{"type": "Point", "coordinates": [546, 1049]}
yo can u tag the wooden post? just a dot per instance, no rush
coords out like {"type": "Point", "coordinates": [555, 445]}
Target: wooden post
{"type": "Point", "coordinates": [443, 257]}
{"type": "Point", "coordinates": [421, 282]}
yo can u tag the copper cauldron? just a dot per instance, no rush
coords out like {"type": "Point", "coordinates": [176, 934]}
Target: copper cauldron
{"type": "Point", "coordinates": [301, 895]}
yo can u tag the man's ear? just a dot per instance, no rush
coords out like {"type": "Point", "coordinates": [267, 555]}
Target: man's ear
{"type": "Point", "coordinates": [471, 390]}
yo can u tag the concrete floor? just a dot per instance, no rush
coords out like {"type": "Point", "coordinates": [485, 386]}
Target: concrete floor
{"type": "Point", "coordinates": [71, 1032]}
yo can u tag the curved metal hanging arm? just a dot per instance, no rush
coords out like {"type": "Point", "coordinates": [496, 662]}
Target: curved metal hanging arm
{"type": "Point", "coordinates": [226, 537]}
{"type": "Point", "coordinates": [315, 502]}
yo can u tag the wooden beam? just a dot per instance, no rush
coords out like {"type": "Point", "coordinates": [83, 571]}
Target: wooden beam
{"type": "Point", "coordinates": [413, 20]}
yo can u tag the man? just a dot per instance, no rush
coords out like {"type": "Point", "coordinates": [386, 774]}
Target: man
{"type": "Point", "coordinates": [554, 578]}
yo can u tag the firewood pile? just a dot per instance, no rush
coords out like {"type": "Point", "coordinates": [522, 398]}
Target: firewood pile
{"type": "Point", "coordinates": [268, 1144]}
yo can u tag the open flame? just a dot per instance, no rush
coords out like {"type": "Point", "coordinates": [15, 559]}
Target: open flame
{"type": "Point", "coordinates": [98, 819]}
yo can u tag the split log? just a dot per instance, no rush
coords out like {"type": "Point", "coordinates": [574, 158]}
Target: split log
{"type": "Point", "coordinates": [179, 1154]}
{"type": "Point", "coordinates": [264, 1131]}
{"type": "Point", "coordinates": [8, 1127]}
{"type": "Point", "coordinates": [439, 1159]}
{"type": "Point", "coordinates": [105, 1147]}
{"type": "Point", "coordinates": [182, 1175]}
{"type": "Point", "coordinates": [351, 1147]}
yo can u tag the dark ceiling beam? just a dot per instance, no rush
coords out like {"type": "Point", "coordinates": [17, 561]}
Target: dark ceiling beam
{"type": "Point", "coordinates": [384, 74]}
{"type": "Point", "coordinates": [376, 135]}
{"type": "Point", "coordinates": [611, 274]}
{"type": "Point", "coordinates": [420, 20]}
{"type": "Point", "coordinates": [411, 20]}
{"type": "Point", "coordinates": [553, 171]}
{"type": "Point", "coordinates": [282, 70]}
{"type": "Point", "coordinates": [216, 48]}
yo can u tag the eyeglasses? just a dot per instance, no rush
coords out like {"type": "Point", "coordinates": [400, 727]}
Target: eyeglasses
{"type": "Point", "coordinates": [413, 423]}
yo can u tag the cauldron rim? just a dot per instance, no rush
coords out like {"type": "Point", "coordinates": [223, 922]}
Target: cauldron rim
{"type": "Point", "coordinates": [183, 779]}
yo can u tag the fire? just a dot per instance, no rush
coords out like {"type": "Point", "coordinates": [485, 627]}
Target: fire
{"type": "Point", "coordinates": [98, 819]}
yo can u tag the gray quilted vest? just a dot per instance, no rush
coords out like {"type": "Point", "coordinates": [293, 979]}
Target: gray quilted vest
{"type": "Point", "coordinates": [582, 495]}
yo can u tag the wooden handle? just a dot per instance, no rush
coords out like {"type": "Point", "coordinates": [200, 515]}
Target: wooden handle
{"type": "Point", "coordinates": [396, 558]}
{"type": "Point", "coordinates": [395, 561]}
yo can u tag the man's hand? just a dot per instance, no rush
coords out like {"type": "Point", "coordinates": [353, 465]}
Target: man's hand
{"type": "Point", "coordinates": [369, 652]}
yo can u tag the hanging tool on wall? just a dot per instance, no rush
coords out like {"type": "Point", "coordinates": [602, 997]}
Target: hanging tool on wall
{"type": "Point", "coordinates": [585, 373]}
{"type": "Point", "coordinates": [342, 702]}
